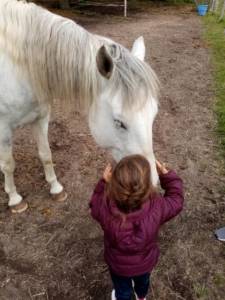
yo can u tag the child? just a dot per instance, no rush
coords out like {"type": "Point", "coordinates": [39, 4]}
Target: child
{"type": "Point", "coordinates": [130, 212]}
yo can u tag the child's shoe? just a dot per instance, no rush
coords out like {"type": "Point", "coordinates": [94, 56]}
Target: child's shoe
{"type": "Point", "coordinates": [135, 293]}
{"type": "Point", "coordinates": [113, 297]}
{"type": "Point", "coordinates": [139, 298]}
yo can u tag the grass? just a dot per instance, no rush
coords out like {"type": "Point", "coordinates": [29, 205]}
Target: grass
{"type": "Point", "coordinates": [215, 36]}
{"type": "Point", "coordinates": [200, 291]}
{"type": "Point", "coordinates": [219, 280]}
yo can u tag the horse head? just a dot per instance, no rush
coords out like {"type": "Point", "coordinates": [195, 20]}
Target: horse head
{"type": "Point", "coordinates": [121, 120]}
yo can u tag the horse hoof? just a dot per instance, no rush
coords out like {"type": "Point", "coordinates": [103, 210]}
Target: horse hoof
{"type": "Point", "coordinates": [61, 197]}
{"type": "Point", "coordinates": [19, 208]}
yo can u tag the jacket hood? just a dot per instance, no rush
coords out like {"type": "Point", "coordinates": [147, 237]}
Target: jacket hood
{"type": "Point", "coordinates": [129, 233]}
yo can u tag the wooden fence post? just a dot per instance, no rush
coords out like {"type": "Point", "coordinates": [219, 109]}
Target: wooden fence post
{"type": "Point", "coordinates": [125, 8]}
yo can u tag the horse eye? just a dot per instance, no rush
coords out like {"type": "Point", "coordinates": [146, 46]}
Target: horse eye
{"type": "Point", "coordinates": [119, 124]}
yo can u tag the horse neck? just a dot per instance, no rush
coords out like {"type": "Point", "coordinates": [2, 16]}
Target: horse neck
{"type": "Point", "coordinates": [57, 56]}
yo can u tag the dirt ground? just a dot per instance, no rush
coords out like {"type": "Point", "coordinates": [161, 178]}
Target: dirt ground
{"type": "Point", "coordinates": [55, 251]}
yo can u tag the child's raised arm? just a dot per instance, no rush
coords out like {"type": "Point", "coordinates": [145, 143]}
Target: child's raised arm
{"type": "Point", "coordinates": [96, 203]}
{"type": "Point", "coordinates": [96, 200]}
{"type": "Point", "coordinates": [172, 202]}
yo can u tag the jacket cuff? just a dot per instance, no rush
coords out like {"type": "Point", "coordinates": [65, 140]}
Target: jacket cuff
{"type": "Point", "coordinates": [100, 186]}
{"type": "Point", "coordinates": [168, 176]}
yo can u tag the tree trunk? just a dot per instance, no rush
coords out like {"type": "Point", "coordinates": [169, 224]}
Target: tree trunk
{"type": "Point", "coordinates": [214, 6]}
{"type": "Point", "coordinates": [222, 12]}
{"type": "Point", "coordinates": [217, 2]}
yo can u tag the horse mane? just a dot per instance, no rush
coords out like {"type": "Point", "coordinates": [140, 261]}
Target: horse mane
{"type": "Point", "coordinates": [59, 57]}
{"type": "Point", "coordinates": [130, 75]}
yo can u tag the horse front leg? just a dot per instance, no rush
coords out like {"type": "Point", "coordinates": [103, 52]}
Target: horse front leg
{"type": "Point", "coordinates": [7, 165]}
{"type": "Point", "coordinates": [40, 129]}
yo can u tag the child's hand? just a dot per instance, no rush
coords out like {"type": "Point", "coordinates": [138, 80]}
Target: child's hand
{"type": "Point", "coordinates": [107, 173]}
{"type": "Point", "coordinates": [161, 168]}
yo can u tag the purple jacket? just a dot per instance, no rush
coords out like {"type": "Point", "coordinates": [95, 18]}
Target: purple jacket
{"type": "Point", "coordinates": [131, 246]}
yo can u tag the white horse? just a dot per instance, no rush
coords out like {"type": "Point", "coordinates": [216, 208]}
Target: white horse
{"type": "Point", "coordinates": [44, 57]}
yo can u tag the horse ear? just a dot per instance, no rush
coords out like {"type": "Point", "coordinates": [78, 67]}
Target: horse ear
{"type": "Point", "coordinates": [138, 48]}
{"type": "Point", "coordinates": [104, 62]}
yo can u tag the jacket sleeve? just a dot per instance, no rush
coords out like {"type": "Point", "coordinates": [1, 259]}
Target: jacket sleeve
{"type": "Point", "coordinates": [96, 203]}
{"type": "Point", "coordinates": [172, 202]}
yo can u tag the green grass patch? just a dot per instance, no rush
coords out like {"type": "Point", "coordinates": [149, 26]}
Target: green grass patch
{"type": "Point", "coordinates": [215, 36]}
{"type": "Point", "coordinates": [201, 292]}
{"type": "Point", "coordinates": [219, 280]}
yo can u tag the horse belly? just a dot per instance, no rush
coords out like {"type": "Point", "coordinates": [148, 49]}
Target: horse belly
{"type": "Point", "coordinates": [18, 105]}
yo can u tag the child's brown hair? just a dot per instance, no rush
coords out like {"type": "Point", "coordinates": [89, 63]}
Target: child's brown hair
{"type": "Point", "coordinates": [130, 185]}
